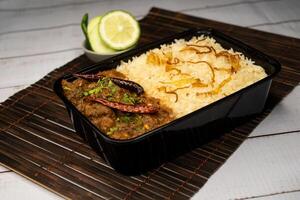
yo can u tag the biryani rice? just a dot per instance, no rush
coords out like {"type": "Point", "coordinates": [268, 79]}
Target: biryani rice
{"type": "Point", "coordinates": [149, 70]}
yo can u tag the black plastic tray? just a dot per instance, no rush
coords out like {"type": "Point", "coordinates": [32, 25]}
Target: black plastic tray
{"type": "Point", "coordinates": [137, 155]}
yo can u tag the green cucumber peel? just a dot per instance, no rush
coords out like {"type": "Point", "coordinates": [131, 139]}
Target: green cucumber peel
{"type": "Point", "coordinates": [84, 24]}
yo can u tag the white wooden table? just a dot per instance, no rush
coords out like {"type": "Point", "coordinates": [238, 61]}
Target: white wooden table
{"type": "Point", "coordinates": [38, 36]}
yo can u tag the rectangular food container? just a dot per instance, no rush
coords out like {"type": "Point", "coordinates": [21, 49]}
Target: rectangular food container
{"type": "Point", "coordinates": [137, 155]}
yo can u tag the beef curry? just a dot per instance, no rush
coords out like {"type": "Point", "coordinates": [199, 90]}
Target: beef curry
{"type": "Point", "coordinates": [117, 107]}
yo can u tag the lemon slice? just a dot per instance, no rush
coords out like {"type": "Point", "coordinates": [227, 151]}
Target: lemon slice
{"type": "Point", "coordinates": [119, 30]}
{"type": "Point", "coordinates": [95, 40]}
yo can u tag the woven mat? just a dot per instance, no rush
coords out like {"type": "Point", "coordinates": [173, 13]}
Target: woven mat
{"type": "Point", "coordinates": [38, 141]}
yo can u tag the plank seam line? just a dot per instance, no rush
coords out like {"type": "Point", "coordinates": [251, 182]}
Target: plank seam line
{"type": "Point", "coordinates": [40, 54]}
{"type": "Point", "coordinates": [193, 23]}
{"type": "Point", "coordinates": [40, 29]}
{"type": "Point", "coordinates": [47, 7]}
{"type": "Point", "coordinates": [195, 170]}
{"type": "Point", "coordinates": [273, 134]}
{"type": "Point", "coordinates": [40, 169]}
{"type": "Point", "coordinates": [49, 27]}
{"type": "Point", "coordinates": [37, 88]}
{"type": "Point", "coordinates": [6, 171]}
{"type": "Point", "coordinates": [227, 5]}
{"type": "Point", "coordinates": [13, 86]}
{"type": "Point", "coordinates": [268, 195]}
{"type": "Point", "coordinates": [18, 172]}
{"type": "Point", "coordinates": [275, 23]}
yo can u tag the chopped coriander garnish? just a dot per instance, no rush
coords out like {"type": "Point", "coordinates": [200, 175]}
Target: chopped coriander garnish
{"type": "Point", "coordinates": [127, 118]}
{"type": "Point", "coordinates": [112, 130]}
{"type": "Point", "coordinates": [95, 90]}
{"type": "Point", "coordinates": [112, 87]}
{"type": "Point", "coordinates": [103, 82]}
{"type": "Point", "coordinates": [130, 99]}
{"type": "Point", "coordinates": [110, 83]}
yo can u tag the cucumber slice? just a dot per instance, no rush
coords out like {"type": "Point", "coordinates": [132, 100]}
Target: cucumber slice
{"type": "Point", "coordinates": [95, 40]}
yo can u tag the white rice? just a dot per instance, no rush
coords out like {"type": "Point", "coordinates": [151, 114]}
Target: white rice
{"type": "Point", "coordinates": [154, 76]}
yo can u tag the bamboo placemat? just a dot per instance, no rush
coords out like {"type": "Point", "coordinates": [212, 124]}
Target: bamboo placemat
{"type": "Point", "coordinates": [38, 141]}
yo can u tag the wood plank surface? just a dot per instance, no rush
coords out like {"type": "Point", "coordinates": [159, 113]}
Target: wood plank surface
{"type": "Point", "coordinates": [38, 141]}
